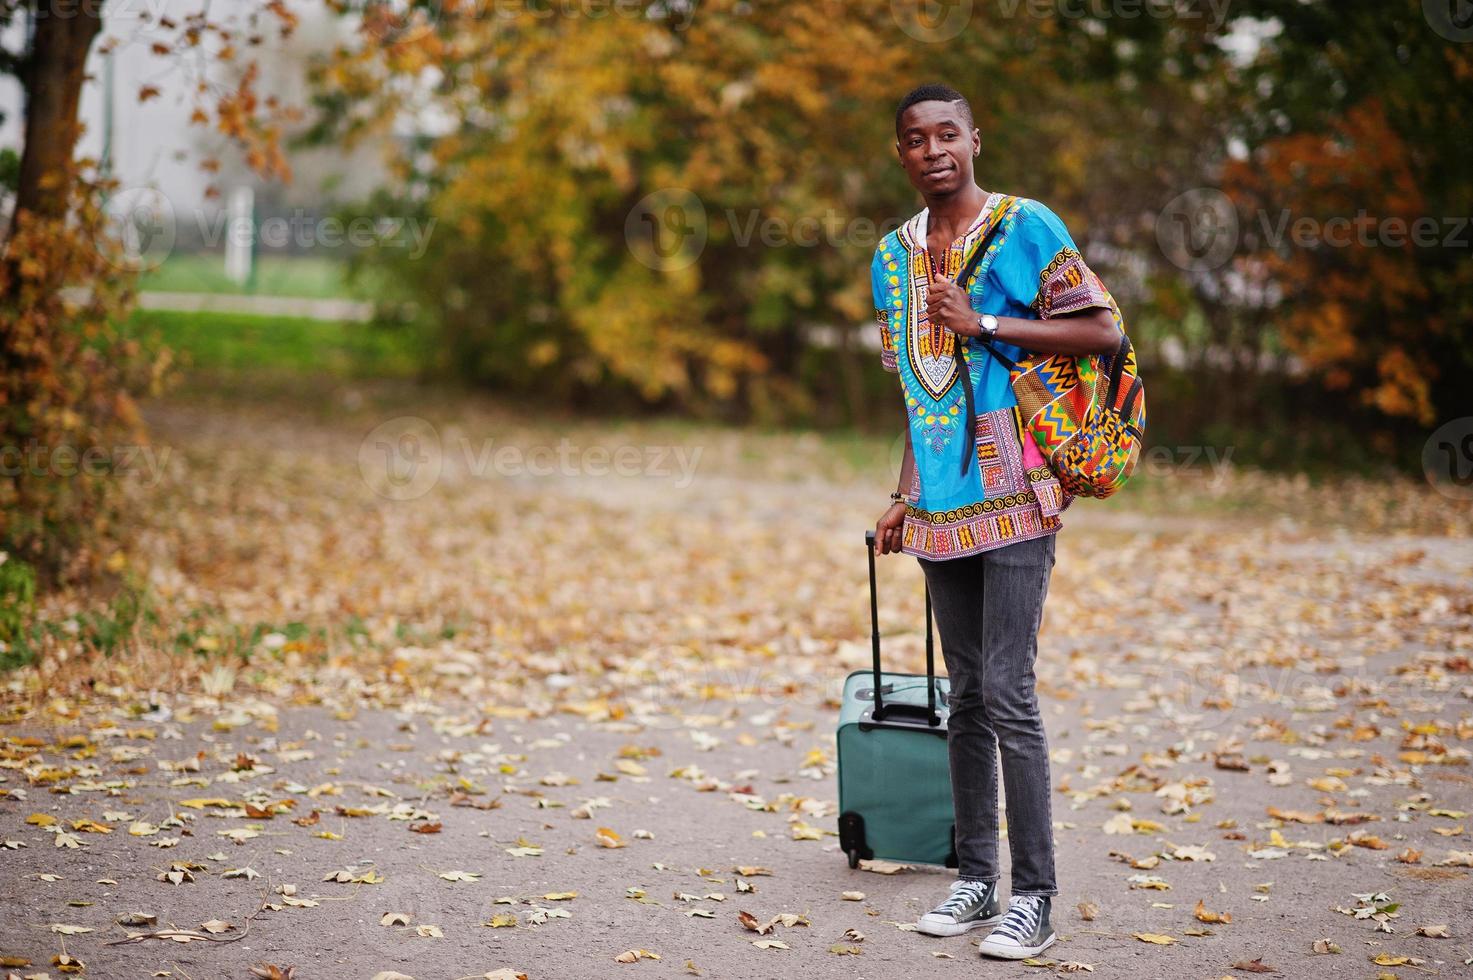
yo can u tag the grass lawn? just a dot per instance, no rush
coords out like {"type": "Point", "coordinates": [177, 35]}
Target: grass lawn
{"type": "Point", "coordinates": [309, 277]}
{"type": "Point", "coordinates": [240, 344]}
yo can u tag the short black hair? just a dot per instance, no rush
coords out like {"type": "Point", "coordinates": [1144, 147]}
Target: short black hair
{"type": "Point", "coordinates": [934, 93]}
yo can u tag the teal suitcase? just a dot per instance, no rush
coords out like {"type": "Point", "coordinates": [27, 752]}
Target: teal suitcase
{"type": "Point", "coordinates": [894, 778]}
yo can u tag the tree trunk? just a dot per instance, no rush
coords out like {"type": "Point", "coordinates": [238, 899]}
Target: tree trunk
{"type": "Point", "coordinates": [53, 75]}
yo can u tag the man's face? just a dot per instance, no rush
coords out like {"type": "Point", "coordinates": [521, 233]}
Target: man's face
{"type": "Point", "coordinates": [936, 147]}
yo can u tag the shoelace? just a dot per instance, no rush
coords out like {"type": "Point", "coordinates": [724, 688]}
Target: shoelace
{"type": "Point", "coordinates": [965, 893]}
{"type": "Point", "coordinates": [1021, 920]}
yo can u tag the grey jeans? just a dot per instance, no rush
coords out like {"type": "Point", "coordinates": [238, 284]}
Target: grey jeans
{"type": "Point", "coordinates": [988, 609]}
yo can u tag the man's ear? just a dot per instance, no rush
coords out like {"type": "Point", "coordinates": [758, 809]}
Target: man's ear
{"type": "Point", "coordinates": [976, 142]}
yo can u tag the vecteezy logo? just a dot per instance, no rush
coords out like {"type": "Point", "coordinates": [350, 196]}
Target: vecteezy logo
{"type": "Point", "coordinates": [1198, 230]}
{"type": "Point", "coordinates": [1447, 459]}
{"type": "Point", "coordinates": [932, 21]}
{"type": "Point", "coordinates": [139, 229]}
{"type": "Point", "coordinates": [1451, 19]}
{"type": "Point", "coordinates": [667, 229]}
{"type": "Point", "coordinates": [400, 459]}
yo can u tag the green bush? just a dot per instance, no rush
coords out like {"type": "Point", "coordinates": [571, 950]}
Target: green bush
{"type": "Point", "coordinates": [17, 605]}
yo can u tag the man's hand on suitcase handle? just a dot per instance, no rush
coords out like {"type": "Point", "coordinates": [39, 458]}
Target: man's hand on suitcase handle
{"type": "Point", "coordinates": [887, 529]}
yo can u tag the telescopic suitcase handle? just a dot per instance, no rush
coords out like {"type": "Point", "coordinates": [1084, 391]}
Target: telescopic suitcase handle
{"type": "Point", "coordinates": [874, 634]}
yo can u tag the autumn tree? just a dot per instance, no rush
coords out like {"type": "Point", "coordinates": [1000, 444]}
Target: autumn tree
{"type": "Point", "coordinates": [70, 374]}
{"type": "Point", "coordinates": [755, 141]}
{"type": "Point", "coordinates": [1353, 196]}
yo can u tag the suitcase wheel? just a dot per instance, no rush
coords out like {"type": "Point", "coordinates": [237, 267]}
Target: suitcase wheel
{"type": "Point", "coordinates": [851, 837]}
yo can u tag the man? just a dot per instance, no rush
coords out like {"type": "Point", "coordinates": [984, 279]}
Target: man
{"type": "Point", "coordinates": [976, 502]}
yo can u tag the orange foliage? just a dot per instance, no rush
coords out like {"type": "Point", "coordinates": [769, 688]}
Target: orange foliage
{"type": "Point", "coordinates": [68, 418]}
{"type": "Point", "coordinates": [1355, 297]}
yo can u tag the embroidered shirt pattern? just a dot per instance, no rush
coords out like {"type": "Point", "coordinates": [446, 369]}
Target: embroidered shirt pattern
{"type": "Point", "coordinates": [1033, 271]}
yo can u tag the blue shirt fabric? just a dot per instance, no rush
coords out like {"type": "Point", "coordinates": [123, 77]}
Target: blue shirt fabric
{"type": "Point", "coordinates": [1031, 270]}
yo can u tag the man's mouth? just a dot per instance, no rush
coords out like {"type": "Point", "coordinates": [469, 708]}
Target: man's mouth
{"type": "Point", "coordinates": [939, 171]}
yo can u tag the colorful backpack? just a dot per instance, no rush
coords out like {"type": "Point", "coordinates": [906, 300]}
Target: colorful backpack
{"type": "Point", "coordinates": [1086, 414]}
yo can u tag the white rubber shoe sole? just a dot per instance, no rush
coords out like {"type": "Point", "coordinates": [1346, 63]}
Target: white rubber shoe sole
{"type": "Point", "coordinates": [1007, 951]}
{"type": "Point", "coordinates": [941, 926]}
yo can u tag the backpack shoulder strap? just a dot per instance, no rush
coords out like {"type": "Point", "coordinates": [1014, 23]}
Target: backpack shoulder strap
{"type": "Point", "coordinates": [964, 373]}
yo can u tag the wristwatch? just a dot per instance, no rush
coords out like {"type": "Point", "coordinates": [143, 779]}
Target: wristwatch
{"type": "Point", "coordinates": [987, 323]}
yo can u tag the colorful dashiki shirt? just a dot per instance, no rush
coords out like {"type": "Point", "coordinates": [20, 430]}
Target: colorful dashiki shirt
{"type": "Point", "coordinates": [1032, 270]}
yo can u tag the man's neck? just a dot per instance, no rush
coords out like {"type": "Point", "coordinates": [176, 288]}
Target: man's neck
{"type": "Point", "coordinates": [953, 214]}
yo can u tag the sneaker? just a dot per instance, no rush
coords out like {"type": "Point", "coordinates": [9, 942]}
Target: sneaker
{"type": "Point", "coordinates": [971, 905]}
{"type": "Point", "coordinates": [1024, 931]}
